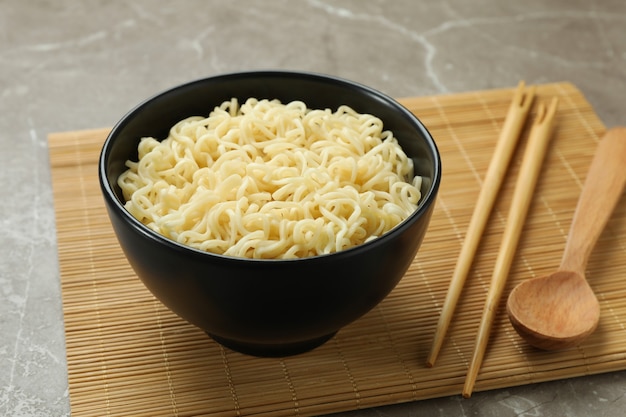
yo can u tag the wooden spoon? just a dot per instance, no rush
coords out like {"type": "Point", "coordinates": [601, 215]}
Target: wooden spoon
{"type": "Point", "coordinates": [560, 310]}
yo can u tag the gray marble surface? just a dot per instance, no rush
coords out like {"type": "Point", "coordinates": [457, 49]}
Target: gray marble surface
{"type": "Point", "coordinates": [68, 65]}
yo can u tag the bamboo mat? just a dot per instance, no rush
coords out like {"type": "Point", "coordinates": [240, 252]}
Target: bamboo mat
{"type": "Point", "coordinates": [129, 356]}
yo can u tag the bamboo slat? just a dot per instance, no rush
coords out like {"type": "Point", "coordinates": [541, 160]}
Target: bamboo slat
{"type": "Point", "coordinates": [128, 355]}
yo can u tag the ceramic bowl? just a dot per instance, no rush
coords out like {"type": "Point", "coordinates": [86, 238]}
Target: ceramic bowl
{"type": "Point", "coordinates": [268, 307]}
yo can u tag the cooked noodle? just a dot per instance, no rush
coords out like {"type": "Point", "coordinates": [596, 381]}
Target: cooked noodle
{"type": "Point", "coordinates": [272, 180]}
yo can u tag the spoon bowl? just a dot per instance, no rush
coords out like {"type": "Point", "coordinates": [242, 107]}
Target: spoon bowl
{"type": "Point", "coordinates": [560, 310]}
{"type": "Point", "coordinates": [568, 310]}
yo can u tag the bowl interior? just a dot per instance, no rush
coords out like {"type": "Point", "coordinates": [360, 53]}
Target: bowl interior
{"type": "Point", "coordinates": [157, 115]}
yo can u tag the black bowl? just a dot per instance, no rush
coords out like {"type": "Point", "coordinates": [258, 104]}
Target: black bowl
{"type": "Point", "coordinates": [268, 307]}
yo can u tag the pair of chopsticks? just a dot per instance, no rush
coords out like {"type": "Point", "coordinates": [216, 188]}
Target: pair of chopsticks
{"type": "Point", "coordinates": [527, 178]}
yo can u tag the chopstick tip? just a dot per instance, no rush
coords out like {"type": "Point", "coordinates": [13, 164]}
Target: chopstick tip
{"type": "Point", "coordinates": [546, 113]}
{"type": "Point", "coordinates": [437, 342]}
{"type": "Point", "coordinates": [523, 96]}
{"type": "Point", "coordinates": [468, 387]}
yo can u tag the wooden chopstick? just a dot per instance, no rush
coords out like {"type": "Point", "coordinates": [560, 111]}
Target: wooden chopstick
{"type": "Point", "coordinates": [527, 179]}
{"type": "Point", "coordinates": [507, 141]}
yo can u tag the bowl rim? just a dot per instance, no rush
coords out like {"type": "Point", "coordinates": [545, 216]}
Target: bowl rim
{"type": "Point", "coordinates": [426, 201]}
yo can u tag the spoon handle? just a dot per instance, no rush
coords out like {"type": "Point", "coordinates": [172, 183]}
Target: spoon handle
{"type": "Point", "coordinates": [602, 190]}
